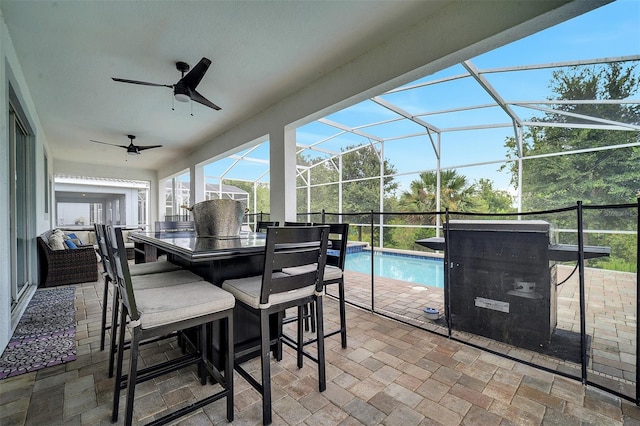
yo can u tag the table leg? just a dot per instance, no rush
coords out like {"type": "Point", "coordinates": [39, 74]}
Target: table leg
{"type": "Point", "coordinates": [145, 253]}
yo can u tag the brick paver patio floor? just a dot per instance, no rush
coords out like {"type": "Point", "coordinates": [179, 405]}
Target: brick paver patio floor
{"type": "Point", "coordinates": [610, 320]}
{"type": "Point", "coordinates": [391, 373]}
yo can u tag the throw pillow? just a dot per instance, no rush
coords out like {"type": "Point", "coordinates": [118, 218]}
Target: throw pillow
{"type": "Point", "coordinates": [56, 242]}
{"type": "Point", "coordinates": [74, 237]}
{"type": "Point", "coordinates": [70, 244]}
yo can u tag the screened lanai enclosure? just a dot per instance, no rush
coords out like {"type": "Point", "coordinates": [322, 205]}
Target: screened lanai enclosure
{"type": "Point", "coordinates": [177, 196]}
{"type": "Point", "coordinates": [545, 129]}
{"type": "Point", "coordinates": [538, 124]}
{"type": "Point", "coordinates": [472, 139]}
{"type": "Point", "coordinates": [468, 130]}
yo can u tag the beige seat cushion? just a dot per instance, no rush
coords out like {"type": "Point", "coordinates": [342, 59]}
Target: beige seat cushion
{"type": "Point", "coordinates": [166, 305]}
{"type": "Point", "coordinates": [164, 279]}
{"type": "Point", "coordinates": [247, 290]}
{"type": "Point", "coordinates": [152, 268]}
{"type": "Point", "coordinates": [127, 232]}
{"type": "Point", "coordinates": [330, 272]}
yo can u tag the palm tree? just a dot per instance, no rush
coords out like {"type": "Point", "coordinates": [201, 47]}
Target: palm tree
{"type": "Point", "coordinates": [455, 194]}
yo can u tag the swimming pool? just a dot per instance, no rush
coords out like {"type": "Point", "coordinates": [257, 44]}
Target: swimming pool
{"type": "Point", "coordinates": [414, 269]}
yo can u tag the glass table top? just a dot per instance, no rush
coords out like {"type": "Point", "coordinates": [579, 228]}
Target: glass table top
{"type": "Point", "coordinates": [188, 244]}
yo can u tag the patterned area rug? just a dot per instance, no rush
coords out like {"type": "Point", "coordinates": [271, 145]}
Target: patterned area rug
{"type": "Point", "coordinates": [46, 333]}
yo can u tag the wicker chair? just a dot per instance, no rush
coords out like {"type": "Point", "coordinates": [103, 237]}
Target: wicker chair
{"type": "Point", "coordinates": [62, 267]}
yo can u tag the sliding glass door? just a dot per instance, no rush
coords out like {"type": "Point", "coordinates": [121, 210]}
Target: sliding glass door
{"type": "Point", "coordinates": [20, 164]}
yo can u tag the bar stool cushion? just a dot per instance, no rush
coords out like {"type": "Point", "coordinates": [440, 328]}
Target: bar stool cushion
{"type": "Point", "coordinates": [152, 268]}
{"type": "Point", "coordinates": [247, 290]}
{"type": "Point", "coordinates": [330, 272]}
{"type": "Point", "coordinates": [166, 279]}
{"type": "Point", "coordinates": [166, 305]}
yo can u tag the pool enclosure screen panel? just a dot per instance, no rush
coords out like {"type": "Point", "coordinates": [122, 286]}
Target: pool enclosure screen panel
{"type": "Point", "coordinates": [502, 283]}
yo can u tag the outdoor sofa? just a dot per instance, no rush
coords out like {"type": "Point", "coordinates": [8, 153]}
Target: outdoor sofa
{"type": "Point", "coordinates": [65, 266]}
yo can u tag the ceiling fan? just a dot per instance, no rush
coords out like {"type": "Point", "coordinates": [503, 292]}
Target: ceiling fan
{"type": "Point", "coordinates": [131, 148]}
{"type": "Point", "coordinates": [185, 89]}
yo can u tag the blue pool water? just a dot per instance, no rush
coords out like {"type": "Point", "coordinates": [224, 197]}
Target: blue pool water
{"type": "Point", "coordinates": [414, 269]}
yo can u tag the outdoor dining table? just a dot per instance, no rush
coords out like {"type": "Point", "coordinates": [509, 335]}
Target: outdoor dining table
{"type": "Point", "coordinates": [215, 259]}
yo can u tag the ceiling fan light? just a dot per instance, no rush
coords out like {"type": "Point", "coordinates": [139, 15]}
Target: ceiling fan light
{"type": "Point", "coordinates": [181, 97]}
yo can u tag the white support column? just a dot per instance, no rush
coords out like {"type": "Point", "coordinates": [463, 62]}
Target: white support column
{"type": "Point", "coordinates": [381, 195]}
{"type": "Point", "coordinates": [255, 198]}
{"type": "Point", "coordinates": [282, 154]}
{"type": "Point", "coordinates": [519, 135]}
{"type": "Point", "coordinates": [308, 172]}
{"type": "Point", "coordinates": [161, 197]}
{"type": "Point", "coordinates": [196, 184]}
{"type": "Point", "coordinates": [340, 186]}
{"type": "Point", "coordinates": [438, 191]}
{"type": "Point", "coordinates": [175, 208]}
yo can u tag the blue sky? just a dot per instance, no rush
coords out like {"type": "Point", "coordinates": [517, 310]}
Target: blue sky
{"type": "Point", "coordinates": [610, 31]}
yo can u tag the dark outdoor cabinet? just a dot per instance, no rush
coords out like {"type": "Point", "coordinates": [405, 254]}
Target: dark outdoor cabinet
{"type": "Point", "coordinates": [502, 284]}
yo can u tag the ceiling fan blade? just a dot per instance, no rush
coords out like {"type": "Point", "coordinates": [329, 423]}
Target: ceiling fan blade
{"type": "Point", "coordinates": [144, 83]}
{"type": "Point", "coordinates": [141, 148]}
{"type": "Point", "coordinates": [193, 77]}
{"type": "Point", "coordinates": [107, 143]}
{"type": "Point", "coordinates": [197, 97]}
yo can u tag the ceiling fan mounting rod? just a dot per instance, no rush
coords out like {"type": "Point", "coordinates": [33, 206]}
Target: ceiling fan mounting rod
{"type": "Point", "coordinates": [182, 67]}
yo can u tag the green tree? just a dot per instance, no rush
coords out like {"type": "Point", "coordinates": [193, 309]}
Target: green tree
{"type": "Point", "coordinates": [487, 199]}
{"type": "Point", "coordinates": [263, 201]}
{"type": "Point", "coordinates": [599, 177]}
{"type": "Point", "coordinates": [364, 195]}
{"type": "Point", "coordinates": [456, 193]}
{"type": "Point", "coordinates": [606, 176]}
{"type": "Point", "coordinates": [358, 165]}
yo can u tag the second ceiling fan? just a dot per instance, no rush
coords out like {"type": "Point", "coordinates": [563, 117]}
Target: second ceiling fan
{"type": "Point", "coordinates": [185, 89]}
{"type": "Point", "coordinates": [131, 148]}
